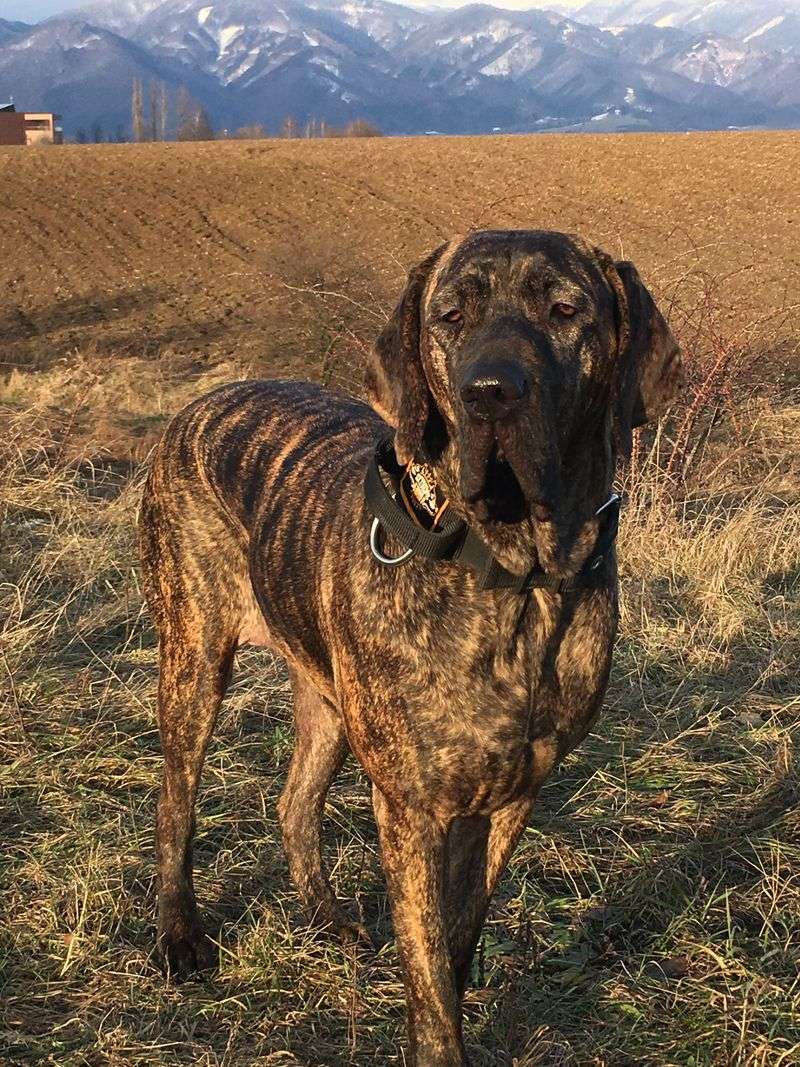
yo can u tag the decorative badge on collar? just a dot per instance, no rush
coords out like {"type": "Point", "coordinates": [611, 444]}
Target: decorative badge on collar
{"type": "Point", "coordinates": [420, 494]}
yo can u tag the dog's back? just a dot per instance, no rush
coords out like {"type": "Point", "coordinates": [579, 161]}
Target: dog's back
{"type": "Point", "coordinates": [250, 456]}
{"type": "Point", "coordinates": [288, 435]}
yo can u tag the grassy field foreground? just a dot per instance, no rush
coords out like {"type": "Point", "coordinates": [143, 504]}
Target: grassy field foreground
{"type": "Point", "coordinates": [651, 915]}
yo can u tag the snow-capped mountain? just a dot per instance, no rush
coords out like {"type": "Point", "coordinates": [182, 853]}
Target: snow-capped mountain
{"type": "Point", "coordinates": [701, 57]}
{"type": "Point", "coordinates": [774, 23]}
{"type": "Point", "coordinates": [243, 41]}
{"type": "Point", "coordinates": [121, 16]}
{"type": "Point", "coordinates": [271, 58]}
{"type": "Point", "coordinates": [388, 24]}
{"type": "Point", "coordinates": [641, 64]}
{"type": "Point", "coordinates": [84, 71]}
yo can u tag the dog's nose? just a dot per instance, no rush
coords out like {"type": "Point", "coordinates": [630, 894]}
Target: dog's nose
{"type": "Point", "coordinates": [493, 391]}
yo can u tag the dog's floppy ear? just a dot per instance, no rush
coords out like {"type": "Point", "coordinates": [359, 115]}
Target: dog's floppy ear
{"type": "Point", "coordinates": [395, 380]}
{"type": "Point", "coordinates": [648, 374]}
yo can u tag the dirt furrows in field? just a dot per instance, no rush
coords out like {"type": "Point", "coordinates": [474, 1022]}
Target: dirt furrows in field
{"type": "Point", "coordinates": [189, 257]}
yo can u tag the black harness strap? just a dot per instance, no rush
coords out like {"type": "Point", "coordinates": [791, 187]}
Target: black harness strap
{"type": "Point", "coordinates": [458, 542]}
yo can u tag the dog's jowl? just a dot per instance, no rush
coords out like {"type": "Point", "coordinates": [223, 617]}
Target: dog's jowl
{"type": "Point", "coordinates": [503, 392]}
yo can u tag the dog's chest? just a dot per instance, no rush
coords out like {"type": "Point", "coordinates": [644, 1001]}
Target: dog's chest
{"type": "Point", "coordinates": [481, 702]}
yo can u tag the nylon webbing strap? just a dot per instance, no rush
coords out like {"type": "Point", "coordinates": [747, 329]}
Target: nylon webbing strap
{"type": "Point", "coordinates": [431, 544]}
{"type": "Point", "coordinates": [459, 543]}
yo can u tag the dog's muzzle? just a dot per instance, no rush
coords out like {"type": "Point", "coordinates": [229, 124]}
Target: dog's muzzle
{"type": "Point", "coordinates": [494, 390]}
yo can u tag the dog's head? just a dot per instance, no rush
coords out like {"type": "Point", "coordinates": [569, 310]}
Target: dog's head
{"type": "Point", "coordinates": [512, 353]}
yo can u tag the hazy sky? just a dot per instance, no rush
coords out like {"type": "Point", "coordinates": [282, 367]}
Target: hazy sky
{"type": "Point", "coordinates": [33, 10]}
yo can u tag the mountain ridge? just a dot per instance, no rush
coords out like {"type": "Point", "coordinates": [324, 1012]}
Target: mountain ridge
{"type": "Point", "coordinates": [465, 70]}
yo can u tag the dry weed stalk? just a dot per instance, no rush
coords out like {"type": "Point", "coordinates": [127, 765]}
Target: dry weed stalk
{"type": "Point", "coordinates": [722, 380]}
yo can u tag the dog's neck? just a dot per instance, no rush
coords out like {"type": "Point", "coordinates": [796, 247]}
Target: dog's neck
{"type": "Point", "coordinates": [560, 542]}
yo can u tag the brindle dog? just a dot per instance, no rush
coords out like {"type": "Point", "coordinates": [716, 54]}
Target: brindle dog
{"type": "Point", "coordinates": [516, 365]}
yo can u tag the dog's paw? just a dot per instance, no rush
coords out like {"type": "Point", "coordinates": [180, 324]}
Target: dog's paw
{"type": "Point", "coordinates": [353, 934]}
{"type": "Point", "coordinates": [180, 954]}
{"type": "Point", "coordinates": [332, 921]}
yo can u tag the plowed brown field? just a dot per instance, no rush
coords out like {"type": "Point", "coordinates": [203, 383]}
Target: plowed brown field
{"type": "Point", "coordinates": [145, 268]}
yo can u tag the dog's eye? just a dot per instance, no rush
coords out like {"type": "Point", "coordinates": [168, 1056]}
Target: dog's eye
{"type": "Point", "coordinates": [452, 316]}
{"type": "Point", "coordinates": [564, 311]}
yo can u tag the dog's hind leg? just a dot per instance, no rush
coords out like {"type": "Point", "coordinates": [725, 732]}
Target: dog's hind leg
{"type": "Point", "coordinates": [320, 750]}
{"type": "Point", "coordinates": [194, 674]}
{"type": "Point", "coordinates": [198, 615]}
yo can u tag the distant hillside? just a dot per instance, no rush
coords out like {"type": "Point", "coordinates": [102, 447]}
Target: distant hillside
{"type": "Point", "coordinates": [10, 31]}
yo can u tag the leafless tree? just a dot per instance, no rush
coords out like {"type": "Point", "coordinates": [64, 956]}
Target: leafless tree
{"type": "Point", "coordinates": [203, 130]}
{"type": "Point", "coordinates": [193, 121]}
{"type": "Point", "coordinates": [159, 108]}
{"type": "Point", "coordinates": [256, 132]}
{"type": "Point", "coordinates": [137, 111]}
{"type": "Point", "coordinates": [356, 128]}
{"type": "Point", "coordinates": [184, 106]}
{"type": "Point", "coordinates": [362, 128]}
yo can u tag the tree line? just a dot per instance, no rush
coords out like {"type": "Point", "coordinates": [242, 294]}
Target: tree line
{"type": "Point", "coordinates": [156, 116]}
{"type": "Point", "coordinates": [150, 119]}
{"type": "Point", "coordinates": [290, 127]}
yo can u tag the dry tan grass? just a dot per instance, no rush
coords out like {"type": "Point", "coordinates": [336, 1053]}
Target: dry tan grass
{"type": "Point", "coordinates": [650, 916]}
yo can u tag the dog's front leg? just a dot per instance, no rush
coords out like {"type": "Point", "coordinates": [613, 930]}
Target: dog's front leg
{"type": "Point", "coordinates": [466, 891]}
{"type": "Point", "coordinates": [478, 851]}
{"type": "Point", "coordinates": [413, 853]}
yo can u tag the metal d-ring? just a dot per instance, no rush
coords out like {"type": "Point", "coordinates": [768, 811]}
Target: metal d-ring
{"type": "Point", "coordinates": [613, 499]}
{"type": "Point", "coordinates": [387, 561]}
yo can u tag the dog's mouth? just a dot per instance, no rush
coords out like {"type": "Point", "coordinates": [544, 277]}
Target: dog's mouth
{"type": "Point", "coordinates": [500, 498]}
{"type": "Point", "coordinates": [497, 479]}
